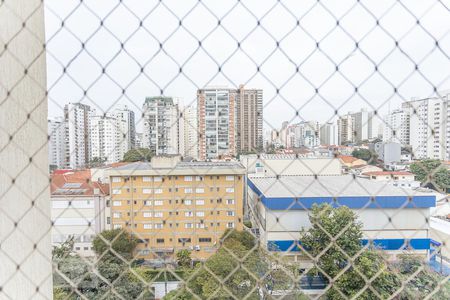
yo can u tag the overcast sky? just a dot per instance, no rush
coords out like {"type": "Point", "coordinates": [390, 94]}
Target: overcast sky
{"type": "Point", "coordinates": [304, 75]}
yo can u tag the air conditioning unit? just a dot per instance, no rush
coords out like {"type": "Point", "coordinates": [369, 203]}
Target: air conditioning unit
{"type": "Point", "coordinates": [197, 247]}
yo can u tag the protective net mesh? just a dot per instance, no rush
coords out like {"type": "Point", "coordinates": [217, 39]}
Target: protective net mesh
{"type": "Point", "coordinates": [280, 191]}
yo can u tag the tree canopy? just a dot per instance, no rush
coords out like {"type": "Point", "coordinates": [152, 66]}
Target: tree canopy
{"type": "Point", "coordinates": [334, 238]}
{"type": "Point", "coordinates": [140, 154]}
{"type": "Point", "coordinates": [115, 241]}
{"type": "Point", "coordinates": [432, 173]}
{"type": "Point", "coordinates": [366, 155]}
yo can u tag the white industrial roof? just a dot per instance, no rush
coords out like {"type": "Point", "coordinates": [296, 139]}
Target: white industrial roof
{"type": "Point", "coordinates": [328, 186]}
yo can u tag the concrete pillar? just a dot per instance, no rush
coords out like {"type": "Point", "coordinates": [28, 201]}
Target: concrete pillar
{"type": "Point", "coordinates": [25, 246]}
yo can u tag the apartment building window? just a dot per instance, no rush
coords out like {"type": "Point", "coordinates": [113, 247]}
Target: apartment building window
{"type": "Point", "coordinates": [108, 203]}
{"type": "Point", "coordinates": [116, 179]}
{"type": "Point", "coordinates": [199, 190]}
{"type": "Point", "coordinates": [147, 226]}
{"type": "Point", "coordinates": [230, 201]}
{"type": "Point", "coordinates": [188, 190]}
{"type": "Point", "coordinates": [158, 214]}
{"type": "Point", "coordinates": [117, 203]}
{"type": "Point", "coordinates": [204, 240]}
{"type": "Point", "coordinates": [229, 178]}
{"type": "Point", "coordinates": [159, 226]}
{"type": "Point", "coordinates": [219, 200]}
{"type": "Point", "coordinates": [160, 241]}
{"type": "Point", "coordinates": [146, 191]}
{"type": "Point", "coordinates": [188, 225]}
{"type": "Point", "coordinates": [158, 191]}
{"type": "Point", "coordinates": [230, 213]}
{"type": "Point", "coordinates": [147, 202]}
{"type": "Point", "coordinates": [146, 179]}
{"type": "Point", "coordinates": [230, 225]}
{"type": "Point", "coordinates": [108, 220]}
{"type": "Point", "coordinates": [117, 215]}
{"type": "Point", "coordinates": [230, 190]}
{"type": "Point", "coordinates": [159, 202]}
{"type": "Point", "coordinates": [187, 178]}
{"type": "Point", "coordinates": [117, 191]}
{"type": "Point", "coordinates": [117, 226]}
{"type": "Point", "coordinates": [199, 202]}
{"type": "Point", "coordinates": [200, 214]}
{"type": "Point", "coordinates": [188, 202]}
{"type": "Point", "coordinates": [188, 214]}
{"type": "Point", "coordinates": [198, 178]}
{"type": "Point", "coordinates": [157, 179]}
{"type": "Point", "coordinates": [200, 225]}
{"type": "Point", "coordinates": [184, 240]}
{"type": "Point", "coordinates": [147, 214]}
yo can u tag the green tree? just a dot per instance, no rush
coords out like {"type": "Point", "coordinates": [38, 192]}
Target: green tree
{"type": "Point", "coordinates": [425, 282]}
{"type": "Point", "coordinates": [366, 155]}
{"type": "Point", "coordinates": [63, 250]}
{"type": "Point", "coordinates": [140, 154]}
{"type": "Point", "coordinates": [115, 240]}
{"type": "Point", "coordinates": [334, 239]}
{"type": "Point", "coordinates": [432, 173]}
{"type": "Point", "coordinates": [232, 272]}
{"type": "Point", "coordinates": [96, 162]}
{"type": "Point", "coordinates": [184, 258]}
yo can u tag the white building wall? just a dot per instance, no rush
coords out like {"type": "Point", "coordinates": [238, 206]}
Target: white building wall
{"type": "Point", "coordinates": [272, 165]}
{"type": "Point", "coordinates": [396, 122]}
{"type": "Point", "coordinates": [329, 134]}
{"type": "Point", "coordinates": [56, 143]}
{"type": "Point", "coordinates": [106, 138]}
{"type": "Point", "coordinates": [125, 122]}
{"type": "Point", "coordinates": [405, 223]}
{"type": "Point", "coordinates": [85, 217]}
{"type": "Point", "coordinates": [78, 146]}
{"type": "Point", "coordinates": [25, 208]}
{"type": "Point", "coordinates": [429, 127]}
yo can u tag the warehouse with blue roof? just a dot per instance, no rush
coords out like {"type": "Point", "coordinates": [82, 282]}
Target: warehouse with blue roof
{"type": "Point", "coordinates": [394, 219]}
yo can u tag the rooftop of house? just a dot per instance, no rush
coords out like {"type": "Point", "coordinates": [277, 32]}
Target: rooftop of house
{"type": "Point", "coordinates": [347, 158]}
{"type": "Point", "coordinates": [76, 183]}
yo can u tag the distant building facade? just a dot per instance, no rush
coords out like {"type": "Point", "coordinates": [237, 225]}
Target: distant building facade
{"type": "Point", "coordinates": [429, 126]}
{"type": "Point", "coordinates": [329, 134]}
{"type": "Point", "coordinates": [78, 148]}
{"type": "Point", "coordinates": [188, 132]}
{"type": "Point", "coordinates": [216, 109]}
{"type": "Point", "coordinates": [249, 120]}
{"type": "Point", "coordinates": [57, 142]}
{"type": "Point", "coordinates": [160, 132]}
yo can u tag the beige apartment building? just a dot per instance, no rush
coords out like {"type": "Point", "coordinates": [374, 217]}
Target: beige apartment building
{"type": "Point", "coordinates": [172, 205]}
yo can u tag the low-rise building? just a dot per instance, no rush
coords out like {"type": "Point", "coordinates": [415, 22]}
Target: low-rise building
{"type": "Point", "coordinates": [171, 205]}
{"type": "Point", "coordinates": [79, 209]}
{"type": "Point", "coordinates": [350, 162]}
{"type": "Point", "coordinates": [395, 178]}
{"type": "Point", "coordinates": [393, 219]}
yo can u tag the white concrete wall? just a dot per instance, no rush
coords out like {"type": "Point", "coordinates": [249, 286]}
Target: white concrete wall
{"type": "Point", "coordinates": [292, 166]}
{"type": "Point", "coordinates": [25, 256]}
{"type": "Point", "coordinates": [405, 223]}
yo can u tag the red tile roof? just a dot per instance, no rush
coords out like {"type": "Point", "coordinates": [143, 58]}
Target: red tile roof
{"type": "Point", "coordinates": [76, 183]}
{"type": "Point", "coordinates": [348, 159]}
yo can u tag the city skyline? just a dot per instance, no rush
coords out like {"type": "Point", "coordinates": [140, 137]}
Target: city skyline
{"type": "Point", "coordinates": [150, 65]}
